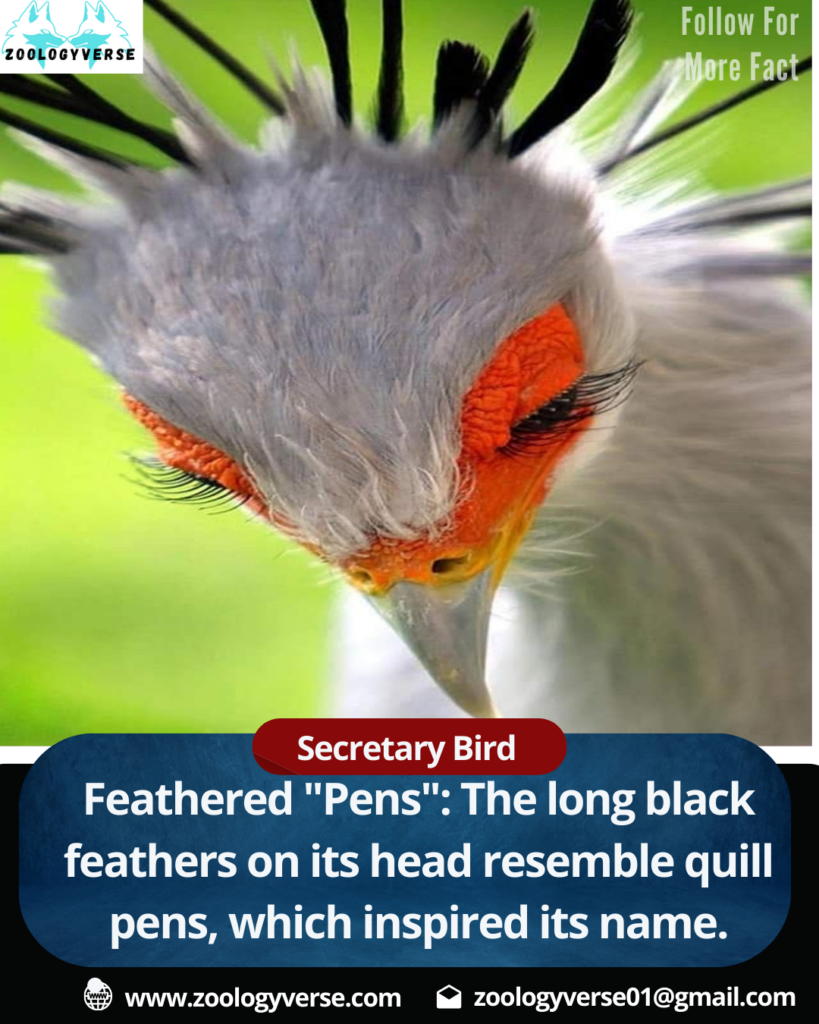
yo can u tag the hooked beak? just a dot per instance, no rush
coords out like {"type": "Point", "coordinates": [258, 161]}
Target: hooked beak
{"type": "Point", "coordinates": [446, 628]}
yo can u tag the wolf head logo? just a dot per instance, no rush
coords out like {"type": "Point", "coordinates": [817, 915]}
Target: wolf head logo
{"type": "Point", "coordinates": [99, 27]}
{"type": "Point", "coordinates": [34, 28]}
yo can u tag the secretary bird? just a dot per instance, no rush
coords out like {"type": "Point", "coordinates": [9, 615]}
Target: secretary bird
{"type": "Point", "coordinates": [432, 358]}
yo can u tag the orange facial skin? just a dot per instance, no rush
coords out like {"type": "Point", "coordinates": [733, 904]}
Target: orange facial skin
{"type": "Point", "coordinates": [500, 492]}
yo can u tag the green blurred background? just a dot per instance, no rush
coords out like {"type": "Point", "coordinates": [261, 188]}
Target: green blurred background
{"type": "Point", "coordinates": [121, 613]}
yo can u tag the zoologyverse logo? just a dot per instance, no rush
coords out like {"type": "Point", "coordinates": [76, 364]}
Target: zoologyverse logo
{"type": "Point", "coordinates": [81, 39]}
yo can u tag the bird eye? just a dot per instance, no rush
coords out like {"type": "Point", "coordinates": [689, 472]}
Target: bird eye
{"type": "Point", "coordinates": [590, 395]}
{"type": "Point", "coordinates": [546, 423]}
{"type": "Point", "coordinates": [172, 484]}
{"type": "Point", "coordinates": [191, 470]}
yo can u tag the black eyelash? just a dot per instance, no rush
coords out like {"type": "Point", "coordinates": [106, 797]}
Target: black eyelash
{"type": "Point", "coordinates": [591, 394]}
{"type": "Point", "coordinates": [177, 485]}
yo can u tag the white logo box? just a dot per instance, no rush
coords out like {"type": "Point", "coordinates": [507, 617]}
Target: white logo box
{"type": "Point", "coordinates": [79, 37]}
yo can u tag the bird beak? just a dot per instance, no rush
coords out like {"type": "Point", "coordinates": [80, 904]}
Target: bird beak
{"type": "Point", "coordinates": [446, 628]}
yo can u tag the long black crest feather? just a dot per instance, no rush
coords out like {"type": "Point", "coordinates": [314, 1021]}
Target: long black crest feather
{"type": "Point", "coordinates": [332, 18]}
{"type": "Point", "coordinates": [14, 249]}
{"type": "Point", "coordinates": [389, 111]}
{"type": "Point", "coordinates": [705, 115]}
{"type": "Point", "coordinates": [252, 82]}
{"type": "Point", "coordinates": [74, 97]}
{"type": "Point", "coordinates": [461, 73]}
{"type": "Point", "coordinates": [607, 25]}
{"type": "Point", "coordinates": [506, 69]}
{"type": "Point", "coordinates": [23, 124]}
{"type": "Point", "coordinates": [31, 232]}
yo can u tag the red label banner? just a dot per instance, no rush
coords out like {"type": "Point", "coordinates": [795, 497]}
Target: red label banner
{"type": "Point", "coordinates": [409, 746]}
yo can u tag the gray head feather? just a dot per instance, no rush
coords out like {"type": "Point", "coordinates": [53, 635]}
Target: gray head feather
{"type": "Point", "coordinates": [319, 309]}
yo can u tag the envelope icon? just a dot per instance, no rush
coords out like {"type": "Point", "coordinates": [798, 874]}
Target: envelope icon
{"type": "Point", "coordinates": [449, 998]}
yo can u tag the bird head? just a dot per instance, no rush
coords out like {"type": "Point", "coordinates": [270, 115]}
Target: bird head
{"type": "Point", "coordinates": [422, 363]}
{"type": "Point", "coordinates": [390, 350]}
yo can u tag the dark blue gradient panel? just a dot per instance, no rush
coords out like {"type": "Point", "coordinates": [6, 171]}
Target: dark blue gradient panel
{"type": "Point", "coordinates": [116, 918]}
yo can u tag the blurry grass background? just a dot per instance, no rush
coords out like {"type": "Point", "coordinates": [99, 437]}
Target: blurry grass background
{"type": "Point", "coordinates": [119, 613]}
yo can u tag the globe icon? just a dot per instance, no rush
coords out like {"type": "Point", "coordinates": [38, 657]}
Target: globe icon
{"type": "Point", "coordinates": [98, 995]}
